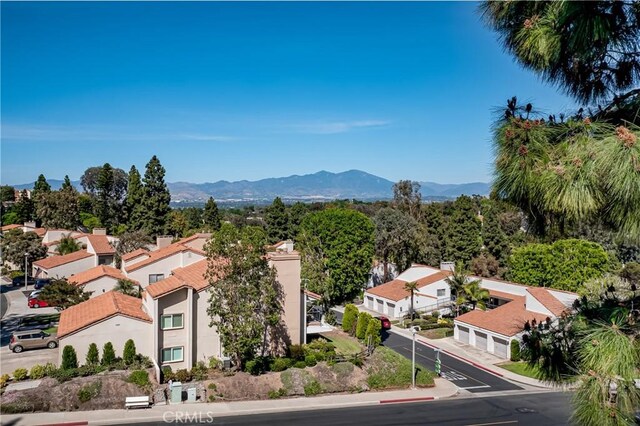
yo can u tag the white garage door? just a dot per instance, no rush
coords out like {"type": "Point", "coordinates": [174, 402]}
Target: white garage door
{"type": "Point", "coordinates": [500, 347]}
{"type": "Point", "coordinates": [380, 306]}
{"type": "Point", "coordinates": [369, 302]}
{"type": "Point", "coordinates": [481, 341]}
{"type": "Point", "coordinates": [391, 309]}
{"type": "Point", "coordinates": [463, 334]}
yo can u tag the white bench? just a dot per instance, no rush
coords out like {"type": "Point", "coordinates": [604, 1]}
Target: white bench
{"type": "Point", "coordinates": [137, 402]}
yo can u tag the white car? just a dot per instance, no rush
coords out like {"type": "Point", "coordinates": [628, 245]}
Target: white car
{"type": "Point", "coordinates": [34, 294]}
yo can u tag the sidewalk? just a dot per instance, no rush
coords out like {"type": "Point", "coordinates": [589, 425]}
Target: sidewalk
{"type": "Point", "coordinates": [475, 357]}
{"type": "Point", "coordinates": [443, 389]}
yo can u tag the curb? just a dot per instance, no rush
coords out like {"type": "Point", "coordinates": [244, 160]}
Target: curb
{"type": "Point", "coordinates": [398, 401]}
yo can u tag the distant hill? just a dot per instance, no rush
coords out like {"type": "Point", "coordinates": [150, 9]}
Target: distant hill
{"type": "Point", "coordinates": [320, 186]}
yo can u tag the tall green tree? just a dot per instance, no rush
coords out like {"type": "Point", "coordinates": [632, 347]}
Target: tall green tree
{"type": "Point", "coordinates": [211, 215]}
{"type": "Point", "coordinates": [458, 280]}
{"type": "Point", "coordinates": [66, 183]}
{"type": "Point", "coordinates": [106, 205]}
{"type": "Point", "coordinates": [25, 208]}
{"type": "Point", "coordinates": [133, 203]}
{"type": "Point", "coordinates": [278, 222]}
{"type": "Point", "coordinates": [61, 294]}
{"type": "Point", "coordinates": [59, 209]}
{"type": "Point", "coordinates": [395, 239]}
{"type": "Point", "coordinates": [177, 225]}
{"type": "Point", "coordinates": [407, 197]}
{"type": "Point", "coordinates": [7, 193]}
{"type": "Point", "coordinates": [463, 233]}
{"type": "Point", "coordinates": [245, 303]}
{"type": "Point", "coordinates": [41, 186]}
{"type": "Point", "coordinates": [156, 199]}
{"type": "Point", "coordinates": [16, 243]}
{"type": "Point", "coordinates": [474, 295]}
{"type": "Point", "coordinates": [565, 264]}
{"type": "Point", "coordinates": [337, 247]}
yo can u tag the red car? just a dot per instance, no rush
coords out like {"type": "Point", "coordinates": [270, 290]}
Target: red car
{"type": "Point", "coordinates": [386, 324]}
{"type": "Point", "coordinates": [35, 303]}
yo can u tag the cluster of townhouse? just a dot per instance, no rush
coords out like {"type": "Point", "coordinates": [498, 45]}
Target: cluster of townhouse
{"type": "Point", "coordinates": [509, 307]}
{"type": "Point", "coordinates": [169, 323]}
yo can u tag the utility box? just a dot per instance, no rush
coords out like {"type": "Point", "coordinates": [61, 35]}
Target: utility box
{"type": "Point", "coordinates": [191, 394]}
{"type": "Point", "coordinates": [176, 392]}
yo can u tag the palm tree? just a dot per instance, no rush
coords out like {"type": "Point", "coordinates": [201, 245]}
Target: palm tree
{"type": "Point", "coordinates": [127, 287]}
{"type": "Point", "coordinates": [457, 281]}
{"type": "Point", "coordinates": [473, 294]}
{"type": "Point", "coordinates": [411, 287]}
{"type": "Point", "coordinates": [67, 245]}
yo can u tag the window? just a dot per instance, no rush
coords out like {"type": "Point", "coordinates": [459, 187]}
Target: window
{"type": "Point", "coordinates": [169, 322]}
{"type": "Point", "coordinates": [154, 278]}
{"type": "Point", "coordinates": [441, 292]}
{"type": "Point", "coordinates": [172, 354]}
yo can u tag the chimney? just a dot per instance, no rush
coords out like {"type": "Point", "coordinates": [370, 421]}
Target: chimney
{"type": "Point", "coordinates": [288, 246]}
{"type": "Point", "coordinates": [30, 225]}
{"type": "Point", "coordinates": [447, 266]}
{"type": "Point", "coordinates": [99, 231]}
{"type": "Point", "coordinates": [163, 240]}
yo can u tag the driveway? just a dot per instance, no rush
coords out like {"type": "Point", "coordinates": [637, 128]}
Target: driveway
{"type": "Point", "coordinates": [15, 313]}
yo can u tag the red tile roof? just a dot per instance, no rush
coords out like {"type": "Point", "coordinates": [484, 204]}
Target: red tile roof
{"type": "Point", "coordinates": [162, 253]}
{"type": "Point", "coordinates": [54, 261]}
{"type": "Point", "coordinates": [97, 272]}
{"type": "Point", "coordinates": [101, 244]}
{"type": "Point", "coordinates": [548, 300]}
{"type": "Point", "coordinates": [134, 254]}
{"type": "Point", "coordinates": [394, 290]}
{"type": "Point", "coordinates": [193, 276]}
{"type": "Point", "coordinates": [98, 309]}
{"type": "Point", "coordinates": [10, 227]}
{"type": "Point", "coordinates": [508, 319]}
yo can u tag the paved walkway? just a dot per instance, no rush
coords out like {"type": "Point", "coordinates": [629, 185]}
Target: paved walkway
{"type": "Point", "coordinates": [170, 413]}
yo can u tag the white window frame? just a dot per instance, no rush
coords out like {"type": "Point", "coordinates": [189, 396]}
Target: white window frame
{"type": "Point", "coordinates": [173, 327]}
{"type": "Point", "coordinates": [155, 276]}
{"type": "Point", "coordinates": [164, 361]}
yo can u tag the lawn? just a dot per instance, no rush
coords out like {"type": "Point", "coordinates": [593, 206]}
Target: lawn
{"type": "Point", "coordinates": [437, 333]}
{"type": "Point", "coordinates": [521, 368]}
{"type": "Point", "coordinates": [388, 369]}
{"type": "Point", "coordinates": [345, 345]}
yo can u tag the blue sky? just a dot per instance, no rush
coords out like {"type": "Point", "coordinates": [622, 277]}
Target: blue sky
{"type": "Point", "coordinates": [253, 90]}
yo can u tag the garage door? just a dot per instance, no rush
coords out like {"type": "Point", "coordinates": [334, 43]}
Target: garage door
{"type": "Point", "coordinates": [391, 309]}
{"type": "Point", "coordinates": [369, 302]}
{"type": "Point", "coordinates": [500, 347]}
{"type": "Point", "coordinates": [463, 334]}
{"type": "Point", "coordinates": [380, 306]}
{"type": "Point", "coordinates": [481, 341]}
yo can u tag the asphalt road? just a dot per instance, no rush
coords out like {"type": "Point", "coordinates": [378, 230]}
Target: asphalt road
{"type": "Point", "coordinates": [462, 374]}
{"type": "Point", "coordinates": [534, 409]}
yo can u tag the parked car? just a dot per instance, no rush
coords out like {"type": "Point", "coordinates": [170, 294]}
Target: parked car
{"type": "Point", "coordinates": [31, 339]}
{"type": "Point", "coordinates": [386, 324]}
{"type": "Point", "coordinates": [41, 282]}
{"type": "Point", "coordinates": [34, 302]}
{"type": "Point", "coordinates": [18, 281]}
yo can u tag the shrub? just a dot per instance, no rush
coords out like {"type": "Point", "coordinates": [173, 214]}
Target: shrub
{"type": "Point", "coordinates": [357, 360]}
{"type": "Point", "coordinates": [300, 364]}
{"type": "Point", "coordinates": [373, 331]}
{"type": "Point", "coordinates": [129, 352]}
{"type": "Point", "coordinates": [167, 373]}
{"type": "Point", "coordinates": [330, 317]}
{"type": "Point", "coordinates": [20, 374]}
{"type": "Point", "coordinates": [90, 370]}
{"type": "Point", "coordinates": [37, 372]}
{"type": "Point", "coordinates": [183, 375]}
{"type": "Point", "coordinates": [69, 358]}
{"type": "Point", "coordinates": [93, 357]}
{"type": "Point", "coordinates": [296, 352]}
{"type": "Point", "coordinates": [435, 314]}
{"type": "Point", "coordinates": [275, 394]}
{"type": "Point", "coordinates": [87, 392]}
{"type": "Point", "coordinates": [139, 378]}
{"type": "Point", "coordinates": [515, 350]}
{"type": "Point", "coordinates": [199, 371]}
{"type": "Point", "coordinates": [349, 319]}
{"type": "Point", "coordinates": [212, 386]}
{"type": "Point", "coordinates": [363, 322]}
{"type": "Point", "coordinates": [16, 274]}
{"type": "Point", "coordinates": [312, 388]}
{"type": "Point", "coordinates": [108, 354]}
{"type": "Point", "coordinates": [281, 364]}
{"type": "Point", "coordinates": [215, 363]}
{"type": "Point", "coordinates": [49, 368]}
{"type": "Point", "coordinates": [4, 379]}
{"type": "Point", "coordinates": [62, 375]}
{"type": "Point", "coordinates": [310, 360]}
{"type": "Point", "coordinates": [253, 367]}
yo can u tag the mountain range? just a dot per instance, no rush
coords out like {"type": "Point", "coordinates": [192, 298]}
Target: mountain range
{"type": "Point", "coordinates": [320, 186]}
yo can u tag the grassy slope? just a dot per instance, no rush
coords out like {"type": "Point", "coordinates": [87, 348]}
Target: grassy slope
{"type": "Point", "coordinates": [521, 368]}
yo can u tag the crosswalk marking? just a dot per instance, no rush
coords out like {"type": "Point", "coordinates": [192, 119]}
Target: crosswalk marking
{"type": "Point", "coordinates": [452, 376]}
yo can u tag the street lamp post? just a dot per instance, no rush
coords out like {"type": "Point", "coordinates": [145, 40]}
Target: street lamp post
{"type": "Point", "coordinates": [414, 330]}
{"type": "Point", "coordinates": [26, 270]}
